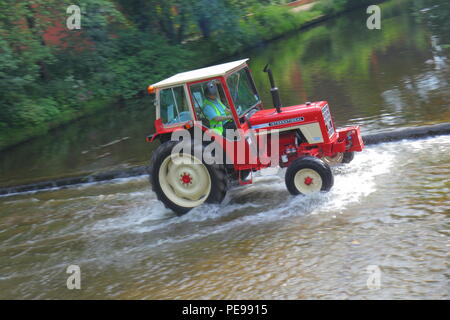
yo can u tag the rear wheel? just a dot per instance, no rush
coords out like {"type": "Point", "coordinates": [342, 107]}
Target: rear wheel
{"type": "Point", "coordinates": [308, 175]}
{"type": "Point", "coordinates": [182, 181]}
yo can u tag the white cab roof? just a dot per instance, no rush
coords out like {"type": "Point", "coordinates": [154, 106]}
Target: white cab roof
{"type": "Point", "coordinates": [200, 74]}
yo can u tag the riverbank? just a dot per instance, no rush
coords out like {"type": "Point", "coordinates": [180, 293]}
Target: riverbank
{"type": "Point", "coordinates": [38, 116]}
{"type": "Point", "coordinates": [11, 137]}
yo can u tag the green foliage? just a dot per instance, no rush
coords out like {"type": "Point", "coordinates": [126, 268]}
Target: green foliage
{"type": "Point", "coordinates": [336, 6]}
{"type": "Point", "coordinates": [144, 59]}
{"type": "Point", "coordinates": [257, 24]}
{"type": "Point", "coordinates": [37, 111]}
{"type": "Point", "coordinates": [275, 21]}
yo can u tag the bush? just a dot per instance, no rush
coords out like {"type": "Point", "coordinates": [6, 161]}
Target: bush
{"type": "Point", "coordinates": [139, 59]}
{"type": "Point", "coordinates": [34, 112]}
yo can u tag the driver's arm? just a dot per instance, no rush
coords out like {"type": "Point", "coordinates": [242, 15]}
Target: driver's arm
{"type": "Point", "coordinates": [227, 111]}
{"type": "Point", "coordinates": [222, 118]}
{"type": "Point", "coordinates": [211, 114]}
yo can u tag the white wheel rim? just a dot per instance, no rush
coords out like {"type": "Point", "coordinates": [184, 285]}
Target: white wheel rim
{"type": "Point", "coordinates": [185, 180]}
{"type": "Point", "coordinates": [308, 181]}
{"type": "Point", "coordinates": [333, 160]}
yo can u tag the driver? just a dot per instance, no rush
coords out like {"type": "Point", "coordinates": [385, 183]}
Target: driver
{"type": "Point", "coordinates": [216, 112]}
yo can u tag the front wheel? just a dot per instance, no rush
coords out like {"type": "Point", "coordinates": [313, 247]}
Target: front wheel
{"type": "Point", "coordinates": [339, 157]}
{"type": "Point", "coordinates": [308, 175]}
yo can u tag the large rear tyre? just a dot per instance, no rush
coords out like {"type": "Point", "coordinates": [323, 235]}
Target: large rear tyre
{"type": "Point", "coordinates": [308, 175]}
{"type": "Point", "coordinates": [182, 181]}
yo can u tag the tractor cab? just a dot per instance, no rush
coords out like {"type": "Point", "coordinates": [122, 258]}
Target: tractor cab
{"type": "Point", "coordinates": [183, 98]}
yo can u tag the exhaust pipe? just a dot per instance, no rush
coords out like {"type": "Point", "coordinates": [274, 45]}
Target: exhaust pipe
{"type": "Point", "coordinates": [273, 90]}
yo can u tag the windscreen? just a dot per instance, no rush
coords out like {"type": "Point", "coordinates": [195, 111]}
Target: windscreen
{"type": "Point", "coordinates": [243, 91]}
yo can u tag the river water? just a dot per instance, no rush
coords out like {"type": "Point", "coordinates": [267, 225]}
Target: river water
{"type": "Point", "coordinates": [389, 208]}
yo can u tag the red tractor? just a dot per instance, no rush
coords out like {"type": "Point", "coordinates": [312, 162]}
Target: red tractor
{"type": "Point", "coordinates": [307, 142]}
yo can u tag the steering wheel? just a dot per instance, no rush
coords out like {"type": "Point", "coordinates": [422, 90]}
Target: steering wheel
{"type": "Point", "coordinates": [229, 124]}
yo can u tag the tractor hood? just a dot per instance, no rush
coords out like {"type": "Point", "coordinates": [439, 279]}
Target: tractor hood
{"type": "Point", "coordinates": [290, 116]}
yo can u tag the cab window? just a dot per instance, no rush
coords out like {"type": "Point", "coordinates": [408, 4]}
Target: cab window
{"type": "Point", "coordinates": [174, 107]}
{"type": "Point", "coordinates": [198, 95]}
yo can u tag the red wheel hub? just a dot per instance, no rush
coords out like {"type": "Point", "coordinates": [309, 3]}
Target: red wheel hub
{"type": "Point", "coordinates": [308, 181]}
{"type": "Point", "coordinates": [186, 178]}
